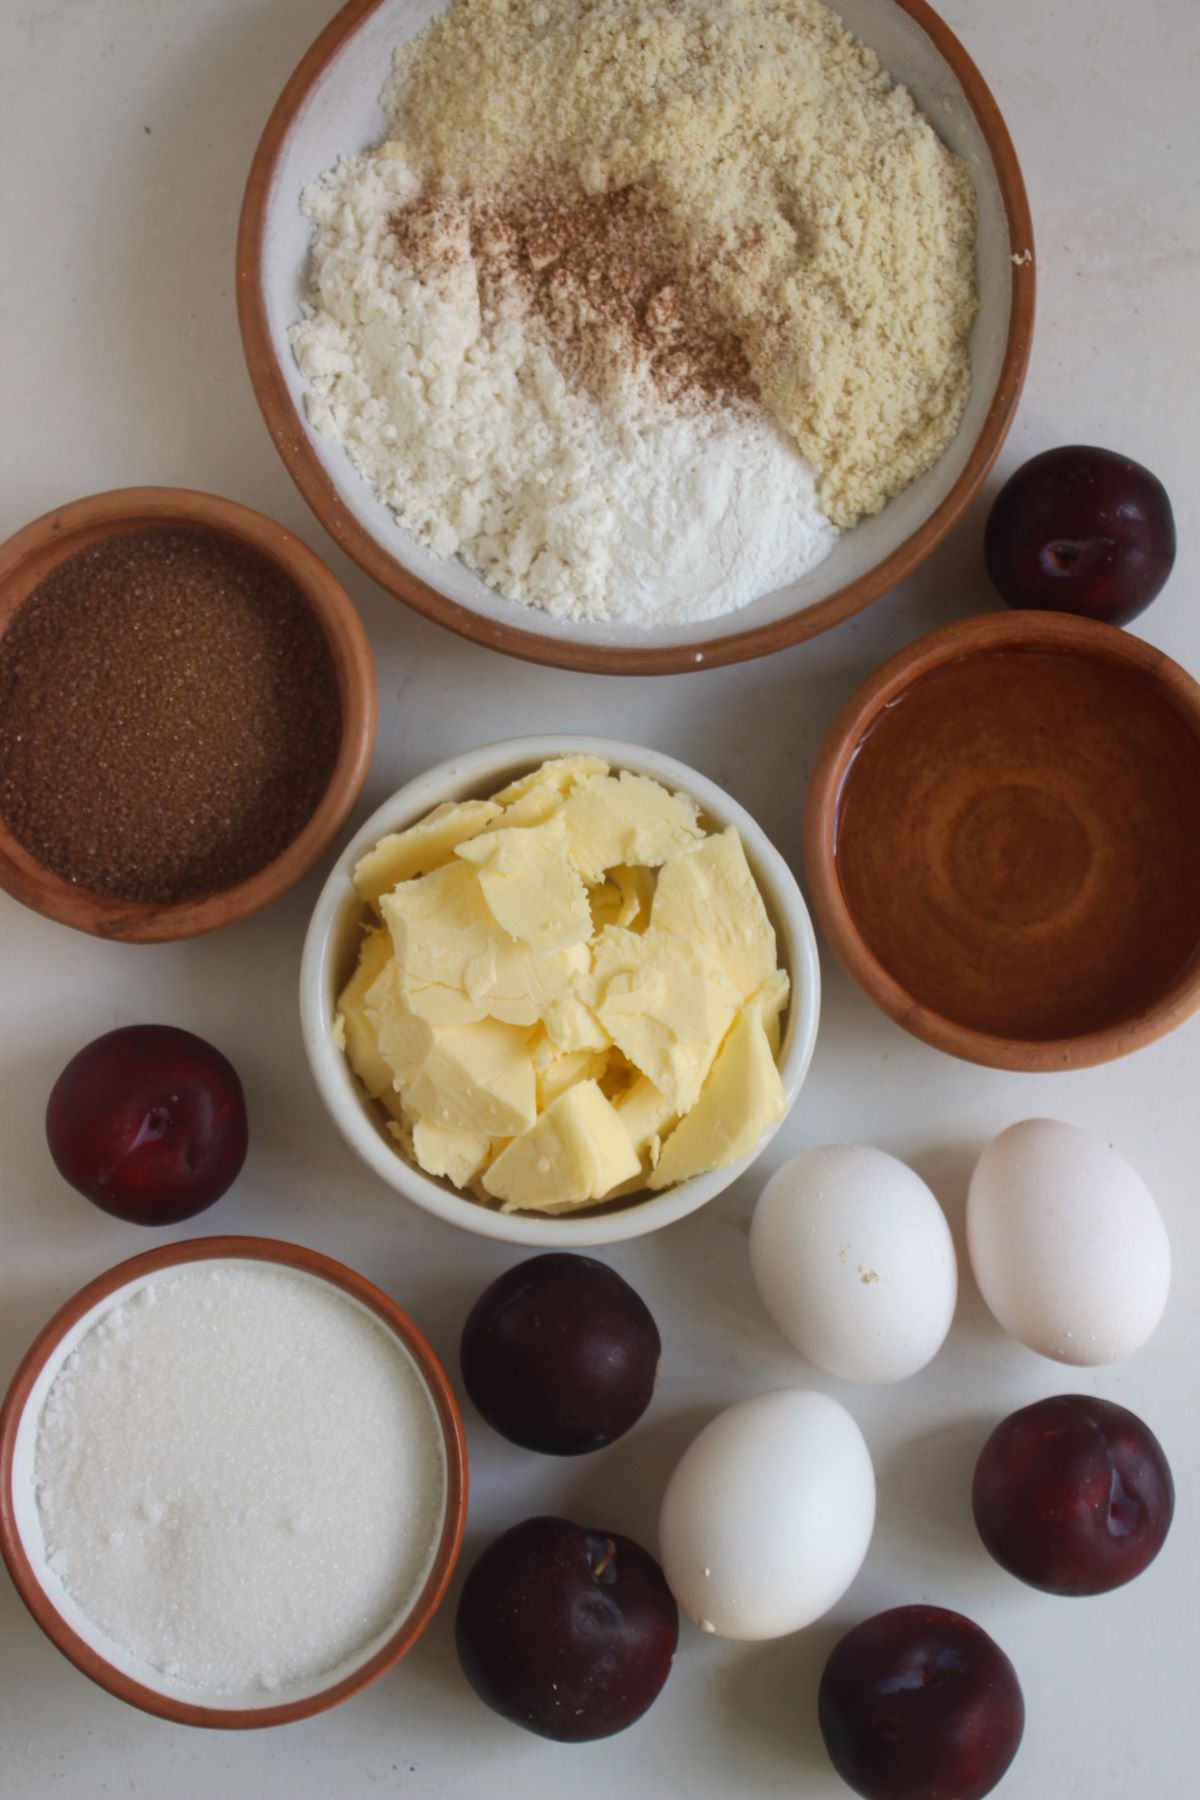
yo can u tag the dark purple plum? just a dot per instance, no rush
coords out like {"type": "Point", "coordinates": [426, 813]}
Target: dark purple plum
{"type": "Point", "coordinates": [1073, 1495]}
{"type": "Point", "coordinates": [920, 1704]}
{"type": "Point", "coordinates": [567, 1632]}
{"type": "Point", "coordinates": [560, 1355]}
{"type": "Point", "coordinates": [1081, 530]}
{"type": "Point", "coordinates": [149, 1123]}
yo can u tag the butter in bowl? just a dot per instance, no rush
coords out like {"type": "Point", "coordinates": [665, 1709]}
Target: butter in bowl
{"type": "Point", "coordinates": [567, 991]}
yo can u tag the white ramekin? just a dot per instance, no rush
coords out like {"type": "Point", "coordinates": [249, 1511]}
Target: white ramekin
{"type": "Point", "coordinates": [329, 954]}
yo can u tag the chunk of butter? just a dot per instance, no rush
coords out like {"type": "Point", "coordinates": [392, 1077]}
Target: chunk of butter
{"type": "Point", "coordinates": [647, 1116]}
{"type": "Point", "coordinates": [626, 819]}
{"type": "Point", "coordinates": [576, 1152]}
{"type": "Point", "coordinates": [459, 964]}
{"type": "Point", "coordinates": [531, 886]}
{"type": "Point", "coordinates": [422, 847]}
{"type": "Point", "coordinates": [565, 1069]}
{"type": "Point", "coordinates": [457, 1156]}
{"type": "Point", "coordinates": [772, 998]}
{"type": "Point", "coordinates": [476, 1078]}
{"type": "Point", "coordinates": [554, 776]}
{"type": "Point", "coordinates": [624, 897]}
{"type": "Point", "coordinates": [666, 1002]}
{"type": "Point", "coordinates": [742, 1096]}
{"type": "Point", "coordinates": [573, 994]}
{"type": "Point", "coordinates": [357, 1030]}
{"type": "Point", "coordinates": [709, 892]}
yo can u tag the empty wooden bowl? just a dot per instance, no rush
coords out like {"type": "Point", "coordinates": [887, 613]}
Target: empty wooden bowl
{"type": "Point", "coordinates": [29, 557]}
{"type": "Point", "coordinates": [24, 1550]}
{"type": "Point", "coordinates": [1002, 840]}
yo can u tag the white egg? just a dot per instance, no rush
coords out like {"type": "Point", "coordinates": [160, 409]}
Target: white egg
{"type": "Point", "coordinates": [1068, 1247]}
{"type": "Point", "coordinates": [855, 1262]}
{"type": "Point", "coordinates": [768, 1515]}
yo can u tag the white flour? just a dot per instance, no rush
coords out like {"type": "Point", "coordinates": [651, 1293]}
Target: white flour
{"type": "Point", "coordinates": [628, 509]}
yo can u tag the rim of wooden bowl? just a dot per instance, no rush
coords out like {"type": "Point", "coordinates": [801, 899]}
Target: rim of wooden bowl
{"type": "Point", "coordinates": [1061, 632]}
{"type": "Point", "coordinates": [291, 440]}
{"type": "Point", "coordinates": [38, 548]}
{"type": "Point", "coordinates": [90, 1661]}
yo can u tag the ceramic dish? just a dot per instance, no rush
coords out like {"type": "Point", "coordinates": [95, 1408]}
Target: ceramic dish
{"type": "Point", "coordinates": [331, 946]}
{"type": "Point", "coordinates": [20, 1530]}
{"type": "Point", "coordinates": [27, 558]}
{"type": "Point", "coordinates": [331, 106]}
{"type": "Point", "coordinates": [1002, 841]}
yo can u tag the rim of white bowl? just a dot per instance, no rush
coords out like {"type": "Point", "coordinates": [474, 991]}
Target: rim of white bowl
{"type": "Point", "coordinates": [466, 776]}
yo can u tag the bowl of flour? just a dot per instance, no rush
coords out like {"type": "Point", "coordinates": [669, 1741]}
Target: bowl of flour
{"type": "Point", "coordinates": [232, 1482]}
{"type": "Point", "coordinates": [643, 337]}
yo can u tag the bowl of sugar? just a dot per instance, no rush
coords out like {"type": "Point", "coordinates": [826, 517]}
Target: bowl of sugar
{"type": "Point", "coordinates": [232, 1482]}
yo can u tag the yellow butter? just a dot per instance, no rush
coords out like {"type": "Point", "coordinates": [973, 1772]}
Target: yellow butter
{"type": "Point", "coordinates": [624, 897]}
{"type": "Point", "coordinates": [439, 924]}
{"type": "Point", "coordinates": [742, 1096]}
{"type": "Point", "coordinates": [531, 887]}
{"type": "Point", "coordinates": [475, 1078]}
{"type": "Point", "coordinates": [356, 1030]}
{"type": "Point", "coordinates": [772, 998]}
{"type": "Point", "coordinates": [707, 891]}
{"type": "Point", "coordinates": [403, 1040]}
{"type": "Point", "coordinates": [446, 937]}
{"type": "Point", "coordinates": [424, 846]}
{"type": "Point", "coordinates": [457, 1156]}
{"type": "Point", "coordinates": [574, 994]}
{"type": "Point", "coordinates": [626, 819]}
{"type": "Point", "coordinates": [571, 1024]}
{"type": "Point", "coordinates": [554, 776]}
{"type": "Point", "coordinates": [646, 1115]}
{"type": "Point", "coordinates": [573, 1156]}
{"type": "Point", "coordinates": [564, 1070]}
{"type": "Point", "coordinates": [666, 1002]}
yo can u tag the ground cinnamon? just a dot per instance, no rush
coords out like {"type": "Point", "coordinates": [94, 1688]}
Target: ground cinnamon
{"type": "Point", "coordinates": [596, 272]}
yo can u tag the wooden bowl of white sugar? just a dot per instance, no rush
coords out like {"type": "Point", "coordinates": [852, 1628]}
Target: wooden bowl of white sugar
{"type": "Point", "coordinates": [479, 479]}
{"type": "Point", "coordinates": [232, 1482]}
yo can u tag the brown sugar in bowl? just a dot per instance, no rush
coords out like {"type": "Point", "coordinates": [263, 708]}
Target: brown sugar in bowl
{"type": "Point", "coordinates": [43, 547]}
{"type": "Point", "coordinates": [44, 1354]}
{"type": "Point", "coordinates": [1002, 841]}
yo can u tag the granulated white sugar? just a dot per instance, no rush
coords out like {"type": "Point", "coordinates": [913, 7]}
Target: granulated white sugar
{"type": "Point", "coordinates": [240, 1478]}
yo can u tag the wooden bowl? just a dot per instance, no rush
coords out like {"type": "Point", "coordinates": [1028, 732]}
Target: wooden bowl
{"type": "Point", "coordinates": [1002, 839]}
{"type": "Point", "coordinates": [27, 558]}
{"type": "Point", "coordinates": [19, 1532]}
{"type": "Point", "coordinates": [331, 106]}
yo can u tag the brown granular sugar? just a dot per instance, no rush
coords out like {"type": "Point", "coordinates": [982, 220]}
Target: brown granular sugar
{"type": "Point", "coordinates": [597, 274]}
{"type": "Point", "coordinates": [169, 715]}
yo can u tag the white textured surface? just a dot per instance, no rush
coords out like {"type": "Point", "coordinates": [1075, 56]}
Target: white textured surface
{"type": "Point", "coordinates": [122, 365]}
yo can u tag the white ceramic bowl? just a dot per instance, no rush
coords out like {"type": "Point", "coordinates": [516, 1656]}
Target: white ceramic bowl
{"type": "Point", "coordinates": [331, 106]}
{"type": "Point", "coordinates": [329, 953]}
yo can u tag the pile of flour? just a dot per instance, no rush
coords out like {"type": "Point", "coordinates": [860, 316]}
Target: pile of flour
{"type": "Point", "coordinates": [618, 506]}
